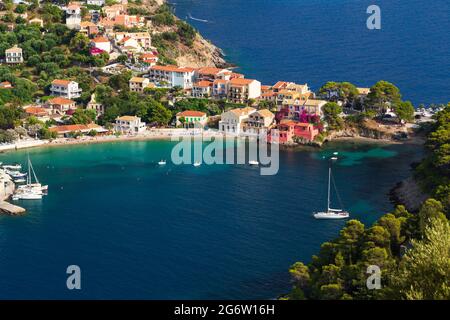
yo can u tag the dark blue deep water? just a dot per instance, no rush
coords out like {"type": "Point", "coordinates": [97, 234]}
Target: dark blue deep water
{"type": "Point", "coordinates": [315, 41]}
{"type": "Point", "coordinates": [138, 230]}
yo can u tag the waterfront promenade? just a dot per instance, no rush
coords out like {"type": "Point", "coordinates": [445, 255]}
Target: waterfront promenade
{"type": "Point", "coordinates": [21, 144]}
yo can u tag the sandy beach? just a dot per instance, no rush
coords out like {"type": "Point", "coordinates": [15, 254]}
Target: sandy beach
{"type": "Point", "coordinates": [168, 134]}
{"type": "Point", "coordinates": [152, 134]}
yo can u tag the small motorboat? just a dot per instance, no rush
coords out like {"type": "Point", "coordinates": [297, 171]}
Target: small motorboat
{"type": "Point", "coordinates": [197, 164]}
{"type": "Point", "coordinates": [20, 180]}
{"type": "Point", "coordinates": [13, 167]}
{"type": "Point", "coordinates": [16, 174]}
{"type": "Point", "coordinates": [253, 163]}
{"type": "Point", "coordinates": [29, 195]}
{"type": "Point", "coordinates": [162, 162]}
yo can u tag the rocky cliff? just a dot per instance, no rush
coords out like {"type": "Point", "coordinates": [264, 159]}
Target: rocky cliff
{"type": "Point", "coordinates": [198, 53]}
{"type": "Point", "coordinates": [372, 130]}
{"type": "Point", "coordinates": [408, 193]}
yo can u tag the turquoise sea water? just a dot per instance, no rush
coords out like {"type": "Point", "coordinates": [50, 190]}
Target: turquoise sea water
{"type": "Point", "coordinates": [138, 230]}
{"type": "Point", "coordinates": [315, 41]}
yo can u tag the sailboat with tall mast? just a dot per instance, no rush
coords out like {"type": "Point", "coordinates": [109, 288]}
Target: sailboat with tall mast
{"type": "Point", "coordinates": [31, 190]}
{"type": "Point", "coordinates": [331, 213]}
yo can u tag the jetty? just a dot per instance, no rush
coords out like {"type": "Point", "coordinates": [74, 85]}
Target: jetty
{"type": "Point", "coordinates": [10, 209]}
{"type": "Point", "coordinates": [7, 187]}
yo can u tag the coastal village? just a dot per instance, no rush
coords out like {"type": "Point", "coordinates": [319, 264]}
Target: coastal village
{"type": "Point", "coordinates": [112, 70]}
{"type": "Point", "coordinates": [99, 71]}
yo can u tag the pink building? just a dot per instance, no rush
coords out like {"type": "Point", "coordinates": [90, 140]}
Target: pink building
{"type": "Point", "coordinates": [287, 130]}
{"type": "Point", "coordinates": [305, 131]}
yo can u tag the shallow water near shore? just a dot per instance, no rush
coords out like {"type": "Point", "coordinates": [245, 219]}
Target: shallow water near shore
{"type": "Point", "coordinates": [139, 230]}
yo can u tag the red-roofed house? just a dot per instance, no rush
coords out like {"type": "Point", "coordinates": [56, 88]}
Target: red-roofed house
{"type": "Point", "coordinates": [202, 89]}
{"type": "Point", "coordinates": [65, 88]}
{"type": "Point", "coordinates": [173, 76]}
{"type": "Point", "coordinates": [60, 105]}
{"type": "Point", "coordinates": [149, 58]}
{"type": "Point", "coordinates": [73, 16]}
{"type": "Point", "coordinates": [241, 90]}
{"type": "Point", "coordinates": [191, 117]}
{"type": "Point", "coordinates": [5, 85]}
{"type": "Point", "coordinates": [220, 89]}
{"type": "Point", "coordinates": [36, 111]}
{"type": "Point", "coordinates": [88, 28]}
{"type": "Point", "coordinates": [112, 11]}
{"type": "Point", "coordinates": [211, 74]}
{"type": "Point", "coordinates": [101, 43]}
{"type": "Point", "coordinates": [62, 131]}
{"type": "Point", "coordinates": [288, 130]}
{"type": "Point", "coordinates": [129, 44]}
{"type": "Point", "coordinates": [122, 20]}
{"type": "Point", "coordinates": [269, 96]}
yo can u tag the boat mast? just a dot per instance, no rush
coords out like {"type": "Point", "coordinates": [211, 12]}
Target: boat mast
{"type": "Point", "coordinates": [34, 173]}
{"type": "Point", "coordinates": [29, 172]}
{"type": "Point", "coordinates": [329, 180]}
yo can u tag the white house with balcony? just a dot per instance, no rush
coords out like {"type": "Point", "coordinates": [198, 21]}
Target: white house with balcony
{"type": "Point", "coordinates": [258, 122]}
{"type": "Point", "coordinates": [129, 125]}
{"type": "Point", "coordinates": [232, 122]}
{"type": "Point", "coordinates": [172, 75]}
{"type": "Point", "coordinates": [73, 16]}
{"type": "Point", "coordinates": [65, 88]}
{"type": "Point", "coordinates": [14, 55]}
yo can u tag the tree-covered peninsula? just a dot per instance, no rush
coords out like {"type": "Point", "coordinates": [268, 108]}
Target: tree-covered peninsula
{"type": "Point", "coordinates": [412, 249]}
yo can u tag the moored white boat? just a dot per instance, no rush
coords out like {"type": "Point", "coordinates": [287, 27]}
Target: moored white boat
{"type": "Point", "coordinates": [29, 195]}
{"type": "Point", "coordinates": [36, 186]}
{"type": "Point", "coordinates": [197, 164]}
{"type": "Point", "coordinates": [332, 214]}
{"type": "Point", "coordinates": [162, 162]}
{"type": "Point", "coordinates": [30, 191]}
{"type": "Point", "coordinates": [15, 174]}
{"type": "Point", "coordinates": [13, 167]}
{"type": "Point", "coordinates": [253, 162]}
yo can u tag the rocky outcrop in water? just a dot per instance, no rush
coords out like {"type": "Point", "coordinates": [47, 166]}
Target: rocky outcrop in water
{"type": "Point", "coordinates": [409, 194]}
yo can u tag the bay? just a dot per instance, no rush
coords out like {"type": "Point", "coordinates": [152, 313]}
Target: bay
{"type": "Point", "coordinates": [139, 230]}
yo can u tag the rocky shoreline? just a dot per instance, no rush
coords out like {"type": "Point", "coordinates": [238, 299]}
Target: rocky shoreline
{"type": "Point", "coordinates": [408, 193]}
{"type": "Point", "coordinates": [202, 53]}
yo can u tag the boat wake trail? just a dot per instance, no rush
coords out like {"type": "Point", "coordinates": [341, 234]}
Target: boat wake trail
{"type": "Point", "coordinates": [197, 19]}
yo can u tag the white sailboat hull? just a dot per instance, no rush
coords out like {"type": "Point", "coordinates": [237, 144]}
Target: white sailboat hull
{"type": "Point", "coordinates": [331, 215]}
{"type": "Point", "coordinates": [34, 186]}
{"type": "Point", "coordinates": [30, 191]}
{"type": "Point", "coordinates": [27, 196]}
